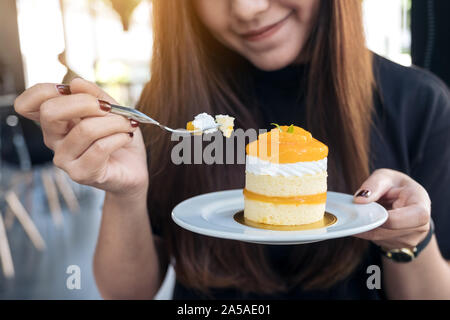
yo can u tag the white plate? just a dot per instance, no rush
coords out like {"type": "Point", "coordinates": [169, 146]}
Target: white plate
{"type": "Point", "coordinates": [212, 215]}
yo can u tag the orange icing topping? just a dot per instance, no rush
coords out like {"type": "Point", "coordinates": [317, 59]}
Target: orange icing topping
{"type": "Point", "coordinates": [287, 146]}
{"type": "Point", "coordinates": [306, 199]}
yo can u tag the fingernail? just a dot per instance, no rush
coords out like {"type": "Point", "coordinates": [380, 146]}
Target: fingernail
{"type": "Point", "coordinates": [104, 105]}
{"type": "Point", "coordinates": [134, 123]}
{"type": "Point", "coordinates": [131, 134]}
{"type": "Point", "coordinates": [364, 193]}
{"type": "Point", "coordinates": [63, 89]}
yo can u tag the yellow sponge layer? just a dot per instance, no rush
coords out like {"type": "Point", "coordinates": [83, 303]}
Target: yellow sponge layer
{"type": "Point", "coordinates": [280, 186]}
{"type": "Point", "coordinates": [283, 214]}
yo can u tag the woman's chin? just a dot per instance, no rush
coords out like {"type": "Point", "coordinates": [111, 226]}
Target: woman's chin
{"type": "Point", "coordinates": [273, 62]}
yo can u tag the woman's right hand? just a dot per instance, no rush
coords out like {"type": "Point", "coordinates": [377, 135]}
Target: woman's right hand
{"type": "Point", "coordinates": [93, 146]}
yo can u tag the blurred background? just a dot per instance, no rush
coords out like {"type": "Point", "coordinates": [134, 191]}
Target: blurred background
{"type": "Point", "coordinates": [49, 223]}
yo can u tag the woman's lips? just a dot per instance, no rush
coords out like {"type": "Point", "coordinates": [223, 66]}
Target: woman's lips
{"type": "Point", "coordinates": [265, 32]}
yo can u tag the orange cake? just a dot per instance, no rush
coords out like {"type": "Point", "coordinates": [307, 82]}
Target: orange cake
{"type": "Point", "coordinates": [285, 177]}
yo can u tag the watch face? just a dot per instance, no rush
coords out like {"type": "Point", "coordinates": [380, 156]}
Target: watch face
{"type": "Point", "coordinates": [402, 255]}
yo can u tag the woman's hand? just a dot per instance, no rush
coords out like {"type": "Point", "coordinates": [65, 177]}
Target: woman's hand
{"type": "Point", "coordinates": [93, 146]}
{"type": "Point", "coordinates": [408, 205]}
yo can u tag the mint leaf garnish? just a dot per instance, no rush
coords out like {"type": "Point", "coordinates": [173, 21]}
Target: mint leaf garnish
{"type": "Point", "coordinates": [291, 129]}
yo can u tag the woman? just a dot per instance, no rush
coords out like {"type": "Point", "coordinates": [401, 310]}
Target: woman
{"type": "Point", "coordinates": [284, 61]}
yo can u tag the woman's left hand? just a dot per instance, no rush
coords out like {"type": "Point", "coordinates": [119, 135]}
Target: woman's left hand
{"type": "Point", "coordinates": [408, 206]}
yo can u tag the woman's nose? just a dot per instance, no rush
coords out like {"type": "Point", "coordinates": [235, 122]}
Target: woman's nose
{"type": "Point", "coordinates": [247, 10]}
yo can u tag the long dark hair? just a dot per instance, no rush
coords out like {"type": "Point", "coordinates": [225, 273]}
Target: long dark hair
{"type": "Point", "coordinates": [193, 73]}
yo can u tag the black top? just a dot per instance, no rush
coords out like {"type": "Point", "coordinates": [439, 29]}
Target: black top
{"type": "Point", "coordinates": [413, 124]}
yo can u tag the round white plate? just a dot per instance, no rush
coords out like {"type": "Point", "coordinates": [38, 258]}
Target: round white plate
{"type": "Point", "coordinates": [212, 215]}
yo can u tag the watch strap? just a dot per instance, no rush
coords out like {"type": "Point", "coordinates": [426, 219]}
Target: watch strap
{"type": "Point", "coordinates": [422, 244]}
{"type": "Point", "coordinates": [407, 254]}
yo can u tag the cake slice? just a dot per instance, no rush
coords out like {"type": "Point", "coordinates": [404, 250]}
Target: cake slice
{"type": "Point", "coordinates": [285, 178]}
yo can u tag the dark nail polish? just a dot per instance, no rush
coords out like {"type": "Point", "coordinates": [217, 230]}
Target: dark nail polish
{"type": "Point", "coordinates": [104, 105]}
{"type": "Point", "coordinates": [364, 193]}
{"type": "Point", "coordinates": [131, 134]}
{"type": "Point", "coordinates": [63, 89]}
{"type": "Point", "coordinates": [134, 123]}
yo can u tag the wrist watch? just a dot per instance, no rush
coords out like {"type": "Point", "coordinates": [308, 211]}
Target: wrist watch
{"type": "Point", "coordinates": [404, 255]}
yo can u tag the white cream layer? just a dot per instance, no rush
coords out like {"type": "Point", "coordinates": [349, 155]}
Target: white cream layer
{"type": "Point", "coordinates": [261, 167]}
{"type": "Point", "coordinates": [203, 121]}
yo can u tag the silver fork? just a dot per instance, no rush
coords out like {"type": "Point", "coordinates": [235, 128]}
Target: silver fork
{"type": "Point", "coordinates": [140, 117]}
